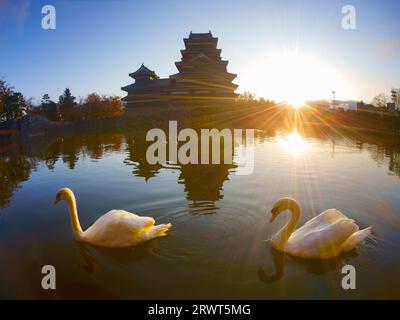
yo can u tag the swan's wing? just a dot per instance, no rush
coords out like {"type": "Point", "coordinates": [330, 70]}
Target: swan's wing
{"type": "Point", "coordinates": [322, 220]}
{"type": "Point", "coordinates": [118, 217]}
{"type": "Point", "coordinates": [327, 217]}
{"type": "Point", "coordinates": [133, 220]}
{"type": "Point", "coordinates": [117, 226]}
{"type": "Point", "coordinates": [322, 241]}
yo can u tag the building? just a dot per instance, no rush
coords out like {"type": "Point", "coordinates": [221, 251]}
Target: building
{"type": "Point", "coordinates": [202, 77]}
{"type": "Point", "coordinates": [148, 88]}
{"type": "Point", "coordinates": [202, 73]}
{"type": "Point", "coordinates": [391, 106]}
{"type": "Point", "coordinates": [361, 106]}
{"type": "Point", "coordinates": [395, 95]}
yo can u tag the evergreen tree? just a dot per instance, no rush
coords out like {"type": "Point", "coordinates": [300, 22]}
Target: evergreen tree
{"type": "Point", "coordinates": [15, 106]}
{"type": "Point", "coordinates": [5, 91]}
{"type": "Point", "coordinates": [67, 100]}
{"type": "Point", "coordinates": [66, 105]}
{"type": "Point", "coordinates": [49, 108]}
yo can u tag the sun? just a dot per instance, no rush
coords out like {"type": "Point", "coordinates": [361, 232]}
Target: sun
{"type": "Point", "coordinates": [292, 77]}
{"type": "Point", "coordinates": [296, 103]}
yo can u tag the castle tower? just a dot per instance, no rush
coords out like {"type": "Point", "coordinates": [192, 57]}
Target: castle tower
{"type": "Point", "coordinates": [202, 72]}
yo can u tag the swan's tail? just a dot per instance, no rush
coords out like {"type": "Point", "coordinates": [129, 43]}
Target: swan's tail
{"type": "Point", "coordinates": [355, 239]}
{"type": "Point", "coordinates": [159, 231]}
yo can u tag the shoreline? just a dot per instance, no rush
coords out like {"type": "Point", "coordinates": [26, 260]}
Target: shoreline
{"type": "Point", "coordinates": [252, 115]}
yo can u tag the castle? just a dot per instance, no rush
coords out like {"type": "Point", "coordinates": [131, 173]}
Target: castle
{"type": "Point", "coordinates": [202, 78]}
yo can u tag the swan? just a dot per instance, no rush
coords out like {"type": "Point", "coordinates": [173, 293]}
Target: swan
{"type": "Point", "coordinates": [116, 228]}
{"type": "Point", "coordinates": [323, 237]}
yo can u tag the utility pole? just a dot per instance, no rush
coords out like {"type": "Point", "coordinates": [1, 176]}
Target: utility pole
{"type": "Point", "coordinates": [334, 99]}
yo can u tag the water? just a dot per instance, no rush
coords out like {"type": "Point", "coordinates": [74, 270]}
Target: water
{"type": "Point", "coordinates": [216, 247]}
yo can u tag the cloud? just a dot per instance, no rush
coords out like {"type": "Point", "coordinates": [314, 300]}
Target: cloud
{"type": "Point", "coordinates": [22, 13]}
{"type": "Point", "coordinates": [14, 11]}
{"type": "Point", "coordinates": [389, 49]}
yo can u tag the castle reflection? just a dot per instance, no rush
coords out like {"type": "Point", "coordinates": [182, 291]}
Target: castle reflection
{"type": "Point", "coordinates": [136, 146]}
{"type": "Point", "coordinates": [203, 183]}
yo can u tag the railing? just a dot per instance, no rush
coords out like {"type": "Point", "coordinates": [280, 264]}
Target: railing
{"type": "Point", "coordinates": [7, 144]}
{"type": "Point", "coordinates": [7, 132]}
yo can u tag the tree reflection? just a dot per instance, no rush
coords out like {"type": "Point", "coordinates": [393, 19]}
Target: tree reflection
{"type": "Point", "coordinates": [17, 163]}
{"type": "Point", "coordinates": [15, 167]}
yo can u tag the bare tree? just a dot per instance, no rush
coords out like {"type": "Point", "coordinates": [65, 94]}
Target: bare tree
{"type": "Point", "coordinates": [380, 100]}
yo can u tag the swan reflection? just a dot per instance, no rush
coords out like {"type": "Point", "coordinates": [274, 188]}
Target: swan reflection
{"type": "Point", "coordinates": [92, 256]}
{"type": "Point", "coordinates": [314, 266]}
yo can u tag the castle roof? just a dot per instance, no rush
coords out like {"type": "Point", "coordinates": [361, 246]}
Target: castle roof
{"type": "Point", "coordinates": [151, 85]}
{"type": "Point", "coordinates": [143, 71]}
{"type": "Point", "coordinates": [207, 35]}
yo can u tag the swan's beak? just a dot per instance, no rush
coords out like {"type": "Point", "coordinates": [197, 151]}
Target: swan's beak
{"type": "Point", "coordinates": [56, 201]}
{"type": "Point", "coordinates": [274, 214]}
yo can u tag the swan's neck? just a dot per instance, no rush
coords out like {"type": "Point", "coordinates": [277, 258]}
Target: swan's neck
{"type": "Point", "coordinates": [281, 238]}
{"type": "Point", "coordinates": [73, 215]}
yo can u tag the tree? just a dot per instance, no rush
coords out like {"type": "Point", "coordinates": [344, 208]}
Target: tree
{"type": "Point", "coordinates": [67, 106]}
{"type": "Point", "coordinates": [15, 106]}
{"type": "Point", "coordinates": [30, 106]}
{"type": "Point", "coordinates": [67, 100]}
{"type": "Point", "coordinates": [100, 107]}
{"type": "Point", "coordinates": [247, 96]}
{"type": "Point", "coordinates": [5, 91]}
{"type": "Point", "coordinates": [380, 100]}
{"type": "Point", "coordinates": [49, 108]}
{"type": "Point", "coordinates": [266, 102]}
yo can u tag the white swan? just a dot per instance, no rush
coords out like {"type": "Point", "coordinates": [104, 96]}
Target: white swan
{"type": "Point", "coordinates": [323, 237]}
{"type": "Point", "coordinates": [117, 228]}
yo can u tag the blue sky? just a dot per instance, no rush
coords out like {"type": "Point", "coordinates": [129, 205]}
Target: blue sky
{"type": "Point", "coordinates": [97, 43]}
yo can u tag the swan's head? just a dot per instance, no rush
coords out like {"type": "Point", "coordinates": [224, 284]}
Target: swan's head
{"type": "Point", "coordinates": [281, 205]}
{"type": "Point", "coordinates": [63, 194]}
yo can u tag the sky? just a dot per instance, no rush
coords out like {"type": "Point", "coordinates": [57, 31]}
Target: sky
{"type": "Point", "coordinates": [279, 49]}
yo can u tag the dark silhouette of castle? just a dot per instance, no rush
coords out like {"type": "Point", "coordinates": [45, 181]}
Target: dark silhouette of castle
{"type": "Point", "coordinates": [202, 77]}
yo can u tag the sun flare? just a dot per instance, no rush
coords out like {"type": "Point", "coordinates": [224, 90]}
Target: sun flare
{"type": "Point", "coordinates": [293, 143]}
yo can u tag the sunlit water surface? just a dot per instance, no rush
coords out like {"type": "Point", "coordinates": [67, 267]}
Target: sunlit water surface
{"type": "Point", "coordinates": [217, 247]}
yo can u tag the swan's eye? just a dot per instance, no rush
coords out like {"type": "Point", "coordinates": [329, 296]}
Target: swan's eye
{"type": "Point", "coordinates": [59, 196]}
